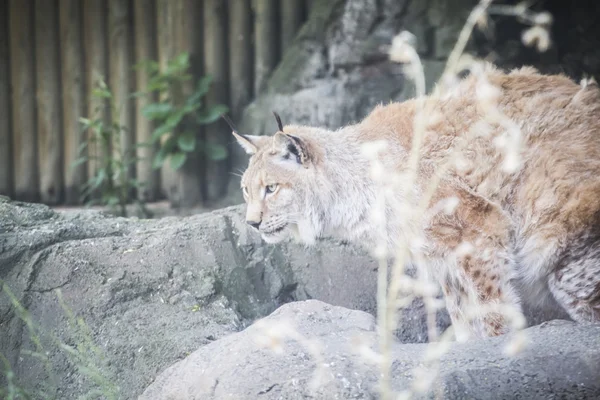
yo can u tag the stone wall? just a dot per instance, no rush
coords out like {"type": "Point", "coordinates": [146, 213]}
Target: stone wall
{"type": "Point", "coordinates": [336, 70]}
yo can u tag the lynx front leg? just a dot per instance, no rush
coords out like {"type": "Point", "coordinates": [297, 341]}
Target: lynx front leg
{"type": "Point", "coordinates": [575, 283]}
{"type": "Point", "coordinates": [476, 270]}
{"type": "Point", "coordinates": [480, 300]}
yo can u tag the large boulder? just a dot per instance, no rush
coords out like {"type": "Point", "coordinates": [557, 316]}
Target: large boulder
{"type": "Point", "coordinates": [149, 292]}
{"type": "Point", "coordinates": [106, 303]}
{"type": "Point", "coordinates": [312, 350]}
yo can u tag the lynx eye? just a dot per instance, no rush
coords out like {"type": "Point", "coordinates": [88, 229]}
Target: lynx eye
{"type": "Point", "coordinates": [271, 188]}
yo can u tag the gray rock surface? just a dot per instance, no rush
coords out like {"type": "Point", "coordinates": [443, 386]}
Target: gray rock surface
{"type": "Point", "coordinates": [561, 360]}
{"type": "Point", "coordinates": [152, 291]}
{"type": "Point", "coordinates": [337, 70]}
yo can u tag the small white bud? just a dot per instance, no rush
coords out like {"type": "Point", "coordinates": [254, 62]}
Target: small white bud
{"type": "Point", "coordinates": [464, 249]}
{"type": "Point", "coordinates": [537, 36]}
{"type": "Point", "coordinates": [516, 344]}
{"type": "Point", "coordinates": [380, 251]}
{"type": "Point", "coordinates": [487, 94]}
{"type": "Point", "coordinates": [543, 18]}
{"type": "Point", "coordinates": [511, 163]}
{"type": "Point", "coordinates": [481, 129]}
{"type": "Point", "coordinates": [371, 149]}
{"type": "Point", "coordinates": [482, 22]}
{"type": "Point", "coordinates": [402, 48]}
{"type": "Point", "coordinates": [450, 204]}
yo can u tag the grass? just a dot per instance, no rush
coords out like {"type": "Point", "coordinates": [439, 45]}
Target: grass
{"type": "Point", "coordinates": [87, 358]}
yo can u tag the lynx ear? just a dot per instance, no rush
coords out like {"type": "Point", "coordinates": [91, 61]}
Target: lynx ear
{"type": "Point", "coordinates": [249, 143]}
{"type": "Point", "coordinates": [292, 148]}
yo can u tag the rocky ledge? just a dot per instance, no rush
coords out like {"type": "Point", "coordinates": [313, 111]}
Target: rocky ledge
{"type": "Point", "coordinates": [168, 309]}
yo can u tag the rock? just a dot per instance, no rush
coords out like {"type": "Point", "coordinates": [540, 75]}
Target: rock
{"type": "Point", "coordinates": [152, 291]}
{"type": "Point", "coordinates": [133, 283]}
{"type": "Point", "coordinates": [315, 350]}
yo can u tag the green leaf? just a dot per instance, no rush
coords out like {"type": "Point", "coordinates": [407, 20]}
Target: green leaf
{"type": "Point", "coordinates": [181, 61]}
{"type": "Point", "coordinates": [143, 144]}
{"type": "Point", "coordinates": [111, 201]}
{"type": "Point", "coordinates": [150, 66]}
{"type": "Point", "coordinates": [157, 110]}
{"type": "Point", "coordinates": [101, 93]}
{"type": "Point", "coordinates": [157, 84]}
{"type": "Point", "coordinates": [160, 131]}
{"type": "Point", "coordinates": [175, 118]}
{"type": "Point", "coordinates": [135, 95]}
{"type": "Point", "coordinates": [159, 158]}
{"type": "Point", "coordinates": [79, 161]}
{"type": "Point", "coordinates": [203, 86]}
{"type": "Point", "coordinates": [211, 114]}
{"type": "Point", "coordinates": [82, 147]}
{"type": "Point", "coordinates": [177, 160]}
{"type": "Point", "coordinates": [187, 141]}
{"type": "Point", "coordinates": [215, 152]}
{"type": "Point", "coordinates": [189, 108]}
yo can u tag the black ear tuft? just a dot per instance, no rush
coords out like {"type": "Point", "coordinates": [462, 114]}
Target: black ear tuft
{"type": "Point", "coordinates": [229, 122]}
{"type": "Point", "coordinates": [278, 119]}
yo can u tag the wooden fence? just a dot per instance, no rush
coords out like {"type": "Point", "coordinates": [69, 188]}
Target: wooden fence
{"type": "Point", "coordinates": [52, 51]}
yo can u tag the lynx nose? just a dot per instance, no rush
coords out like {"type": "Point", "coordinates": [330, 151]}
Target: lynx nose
{"type": "Point", "coordinates": [253, 224]}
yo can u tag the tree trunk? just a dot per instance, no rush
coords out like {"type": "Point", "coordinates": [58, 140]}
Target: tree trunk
{"type": "Point", "coordinates": [265, 42]}
{"type": "Point", "coordinates": [6, 162]}
{"type": "Point", "coordinates": [145, 50]}
{"type": "Point", "coordinates": [215, 64]}
{"type": "Point", "coordinates": [96, 61]}
{"type": "Point", "coordinates": [21, 35]}
{"type": "Point", "coordinates": [49, 124]}
{"type": "Point", "coordinates": [73, 95]}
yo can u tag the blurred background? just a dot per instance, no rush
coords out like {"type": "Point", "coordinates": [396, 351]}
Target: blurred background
{"type": "Point", "coordinates": [117, 103]}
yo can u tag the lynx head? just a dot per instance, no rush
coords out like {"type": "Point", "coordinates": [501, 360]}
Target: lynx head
{"type": "Point", "coordinates": [279, 184]}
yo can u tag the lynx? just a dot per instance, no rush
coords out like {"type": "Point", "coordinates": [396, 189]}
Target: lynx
{"type": "Point", "coordinates": [534, 232]}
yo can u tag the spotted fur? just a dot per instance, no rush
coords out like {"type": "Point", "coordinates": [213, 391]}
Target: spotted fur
{"type": "Point", "coordinates": [537, 229]}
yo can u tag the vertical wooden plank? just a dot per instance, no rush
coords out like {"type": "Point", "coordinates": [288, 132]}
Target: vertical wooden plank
{"type": "Point", "coordinates": [145, 49]}
{"type": "Point", "coordinates": [120, 78]}
{"type": "Point", "coordinates": [265, 41]}
{"type": "Point", "coordinates": [73, 93]}
{"type": "Point", "coordinates": [308, 5]}
{"type": "Point", "coordinates": [215, 64]}
{"type": "Point", "coordinates": [6, 162]}
{"type": "Point", "coordinates": [240, 56]}
{"type": "Point", "coordinates": [292, 16]}
{"type": "Point", "coordinates": [96, 63]}
{"type": "Point", "coordinates": [23, 99]}
{"type": "Point", "coordinates": [49, 124]}
{"type": "Point", "coordinates": [166, 51]}
{"type": "Point", "coordinates": [188, 37]}
{"type": "Point", "coordinates": [179, 30]}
